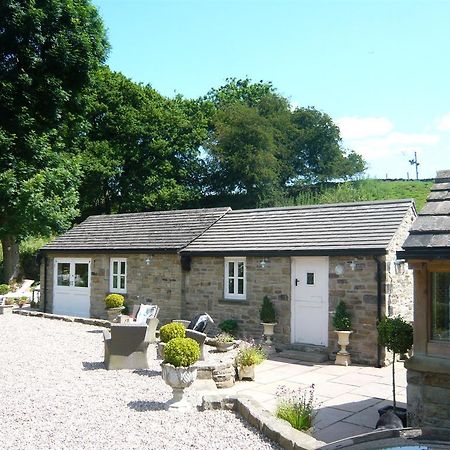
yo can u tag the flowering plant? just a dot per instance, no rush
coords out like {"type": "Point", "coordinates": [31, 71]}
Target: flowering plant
{"type": "Point", "coordinates": [296, 406]}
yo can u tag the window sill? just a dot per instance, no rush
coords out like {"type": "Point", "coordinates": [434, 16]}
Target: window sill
{"type": "Point", "coordinates": [234, 300]}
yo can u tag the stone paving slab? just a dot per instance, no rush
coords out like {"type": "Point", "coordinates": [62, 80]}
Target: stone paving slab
{"type": "Point", "coordinates": [347, 398]}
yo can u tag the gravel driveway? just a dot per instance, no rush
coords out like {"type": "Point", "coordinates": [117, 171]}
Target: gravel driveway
{"type": "Point", "coordinates": [56, 394]}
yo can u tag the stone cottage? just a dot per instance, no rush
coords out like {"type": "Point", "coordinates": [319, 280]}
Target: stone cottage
{"type": "Point", "coordinates": [305, 259]}
{"type": "Point", "coordinates": [427, 250]}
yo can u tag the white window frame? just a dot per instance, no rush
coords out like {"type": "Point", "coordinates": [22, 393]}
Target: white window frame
{"type": "Point", "coordinates": [232, 295]}
{"type": "Point", "coordinates": [112, 275]}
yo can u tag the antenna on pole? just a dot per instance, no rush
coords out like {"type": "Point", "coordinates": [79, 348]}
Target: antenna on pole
{"type": "Point", "coordinates": [414, 162]}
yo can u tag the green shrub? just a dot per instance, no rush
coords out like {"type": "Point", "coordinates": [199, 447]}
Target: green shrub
{"type": "Point", "coordinates": [395, 334]}
{"type": "Point", "coordinates": [114, 301]}
{"type": "Point", "coordinates": [296, 406]}
{"type": "Point", "coordinates": [4, 289]}
{"type": "Point", "coordinates": [250, 355]}
{"type": "Point", "coordinates": [228, 326]}
{"type": "Point", "coordinates": [181, 352]}
{"type": "Point", "coordinates": [342, 318]}
{"type": "Point", "coordinates": [171, 331]}
{"type": "Point", "coordinates": [267, 313]}
{"type": "Point", "coordinates": [23, 300]}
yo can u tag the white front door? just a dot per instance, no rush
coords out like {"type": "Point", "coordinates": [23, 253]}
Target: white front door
{"type": "Point", "coordinates": [72, 287]}
{"type": "Point", "coordinates": [309, 323]}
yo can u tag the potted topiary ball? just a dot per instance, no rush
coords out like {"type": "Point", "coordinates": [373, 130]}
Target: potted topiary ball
{"type": "Point", "coordinates": [167, 333]}
{"type": "Point", "coordinates": [396, 335]}
{"type": "Point", "coordinates": [268, 317]}
{"type": "Point", "coordinates": [342, 323]}
{"type": "Point", "coordinates": [177, 369]}
{"type": "Point", "coordinates": [114, 306]}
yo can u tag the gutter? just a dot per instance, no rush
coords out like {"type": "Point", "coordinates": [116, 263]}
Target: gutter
{"type": "Point", "coordinates": [379, 297]}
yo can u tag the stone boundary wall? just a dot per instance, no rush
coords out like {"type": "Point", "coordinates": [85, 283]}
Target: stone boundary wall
{"type": "Point", "coordinates": [85, 320]}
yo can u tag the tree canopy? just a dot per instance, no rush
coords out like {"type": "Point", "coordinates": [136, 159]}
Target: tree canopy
{"type": "Point", "coordinates": [48, 52]}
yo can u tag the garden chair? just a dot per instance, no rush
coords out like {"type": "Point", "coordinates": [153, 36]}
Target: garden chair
{"type": "Point", "coordinates": [126, 346]}
{"type": "Point", "coordinates": [146, 314]}
{"type": "Point", "coordinates": [196, 329]}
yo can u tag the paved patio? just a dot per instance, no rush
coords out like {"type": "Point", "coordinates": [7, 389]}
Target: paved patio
{"type": "Point", "coordinates": [347, 399]}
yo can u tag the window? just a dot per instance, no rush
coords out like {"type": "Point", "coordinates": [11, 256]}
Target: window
{"type": "Point", "coordinates": [310, 278]}
{"type": "Point", "coordinates": [118, 275]}
{"type": "Point", "coordinates": [235, 275]}
{"type": "Point", "coordinates": [440, 306]}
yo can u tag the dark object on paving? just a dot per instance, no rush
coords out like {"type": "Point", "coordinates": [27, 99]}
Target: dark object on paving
{"type": "Point", "coordinates": [389, 421]}
{"type": "Point", "coordinates": [401, 413]}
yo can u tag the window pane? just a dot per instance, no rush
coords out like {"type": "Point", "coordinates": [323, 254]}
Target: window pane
{"type": "Point", "coordinates": [114, 282]}
{"type": "Point", "coordinates": [240, 286]}
{"type": "Point", "coordinates": [231, 285]}
{"type": "Point", "coordinates": [122, 267]}
{"type": "Point", "coordinates": [115, 267]}
{"type": "Point", "coordinates": [122, 282]}
{"type": "Point", "coordinates": [240, 269]}
{"type": "Point", "coordinates": [440, 306]}
{"type": "Point", "coordinates": [310, 278]}
{"type": "Point", "coordinates": [231, 269]}
{"type": "Point", "coordinates": [63, 274]}
{"type": "Point", "coordinates": [81, 274]}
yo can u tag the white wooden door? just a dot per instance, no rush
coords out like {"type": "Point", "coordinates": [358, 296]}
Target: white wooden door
{"type": "Point", "coordinates": [72, 287]}
{"type": "Point", "coordinates": [310, 300]}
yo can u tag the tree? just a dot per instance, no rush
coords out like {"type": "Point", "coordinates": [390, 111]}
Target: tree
{"type": "Point", "coordinates": [141, 151]}
{"type": "Point", "coordinates": [258, 148]}
{"type": "Point", "coordinates": [48, 52]}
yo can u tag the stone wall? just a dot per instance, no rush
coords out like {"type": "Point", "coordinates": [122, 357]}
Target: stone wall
{"type": "Point", "coordinates": [159, 282]}
{"type": "Point", "coordinates": [399, 278]}
{"type": "Point", "coordinates": [204, 291]}
{"type": "Point", "coordinates": [357, 287]}
{"type": "Point", "coordinates": [428, 393]}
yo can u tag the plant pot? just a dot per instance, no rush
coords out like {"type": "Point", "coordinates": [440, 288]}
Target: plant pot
{"type": "Point", "coordinates": [224, 346]}
{"type": "Point", "coordinates": [401, 413]}
{"type": "Point", "coordinates": [6, 309]}
{"type": "Point", "coordinates": [268, 331]}
{"type": "Point", "coordinates": [343, 356]}
{"type": "Point", "coordinates": [114, 313]}
{"type": "Point", "coordinates": [178, 378]}
{"type": "Point", "coordinates": [246, 372]}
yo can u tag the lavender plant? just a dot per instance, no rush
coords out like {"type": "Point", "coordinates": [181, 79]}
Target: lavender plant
{"type": "Point", "coordinates": [296, 406]}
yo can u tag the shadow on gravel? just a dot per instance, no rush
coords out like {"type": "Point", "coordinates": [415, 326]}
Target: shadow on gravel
{"type": "Point", "coordinates": [89, 365]}
{"type": "Point", "coordinates": [147, 373]}
{"type": "Point", "coordinates": [94, 331]}
{"type": "Point", "coordinates": [141, 406]}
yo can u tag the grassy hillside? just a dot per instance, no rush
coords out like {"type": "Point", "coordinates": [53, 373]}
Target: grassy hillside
{"type": "Point", "coordinates": [366, 190]}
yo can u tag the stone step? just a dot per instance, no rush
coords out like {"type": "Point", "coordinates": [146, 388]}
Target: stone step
{"type": "Point", "coordinates": [314, 357]}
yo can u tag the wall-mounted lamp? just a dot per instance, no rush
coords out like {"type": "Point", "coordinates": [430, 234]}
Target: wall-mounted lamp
{"type": "Point", "coordinates": [263, 263]}
{"type": "Point", "coordinates": [148, 260]}
{"type": "Point", "coordinates": [353, 264]}
{"type": "Point", "coordinates": [339, 269]}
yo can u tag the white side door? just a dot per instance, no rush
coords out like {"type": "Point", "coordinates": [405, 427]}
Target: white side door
{"type": "Point", "coordinates": [72, 287]}
{"type": "Point", "coordinates": [309, 323]}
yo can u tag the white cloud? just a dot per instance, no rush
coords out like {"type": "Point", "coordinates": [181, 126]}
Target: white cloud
{"type": "Point", "coordinates": [392, 144]}
{"type": "Point", "coordinates": [364, 127]}
{"type": "Point", "coordinates": [444, 123]}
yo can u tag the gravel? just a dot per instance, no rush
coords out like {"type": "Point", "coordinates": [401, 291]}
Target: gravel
{"type": "Point", "coordinates": [56, 394]}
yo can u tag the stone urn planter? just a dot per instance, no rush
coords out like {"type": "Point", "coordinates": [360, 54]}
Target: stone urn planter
{"type": "Point", "coordinates": [343, 356]}
{"type": "Point", "coordinates": [268, 332]}
{"type": "Point", "coordinates": [178, 378]}
{"type": "Point", "coordinates": [114, 313]}
{"type": "Point", "coordinates": [177, 369]}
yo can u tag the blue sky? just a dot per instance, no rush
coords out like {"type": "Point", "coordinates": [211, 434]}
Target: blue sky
{"type": "Point", "coordinates": [380, 69]}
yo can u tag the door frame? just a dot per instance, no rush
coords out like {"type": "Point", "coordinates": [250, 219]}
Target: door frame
{"type": "Point", "coordinates": [294, 260]}
{"type": "Point", "coordinates": [58, 290]}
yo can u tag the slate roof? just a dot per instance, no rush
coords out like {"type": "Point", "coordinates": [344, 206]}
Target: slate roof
{"type": "Point", "coordinates": [346, 228]}
{"type": "Point", "coordinates": [430, 234]}
{"type": "Point", "coordinates": [150, 231]}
